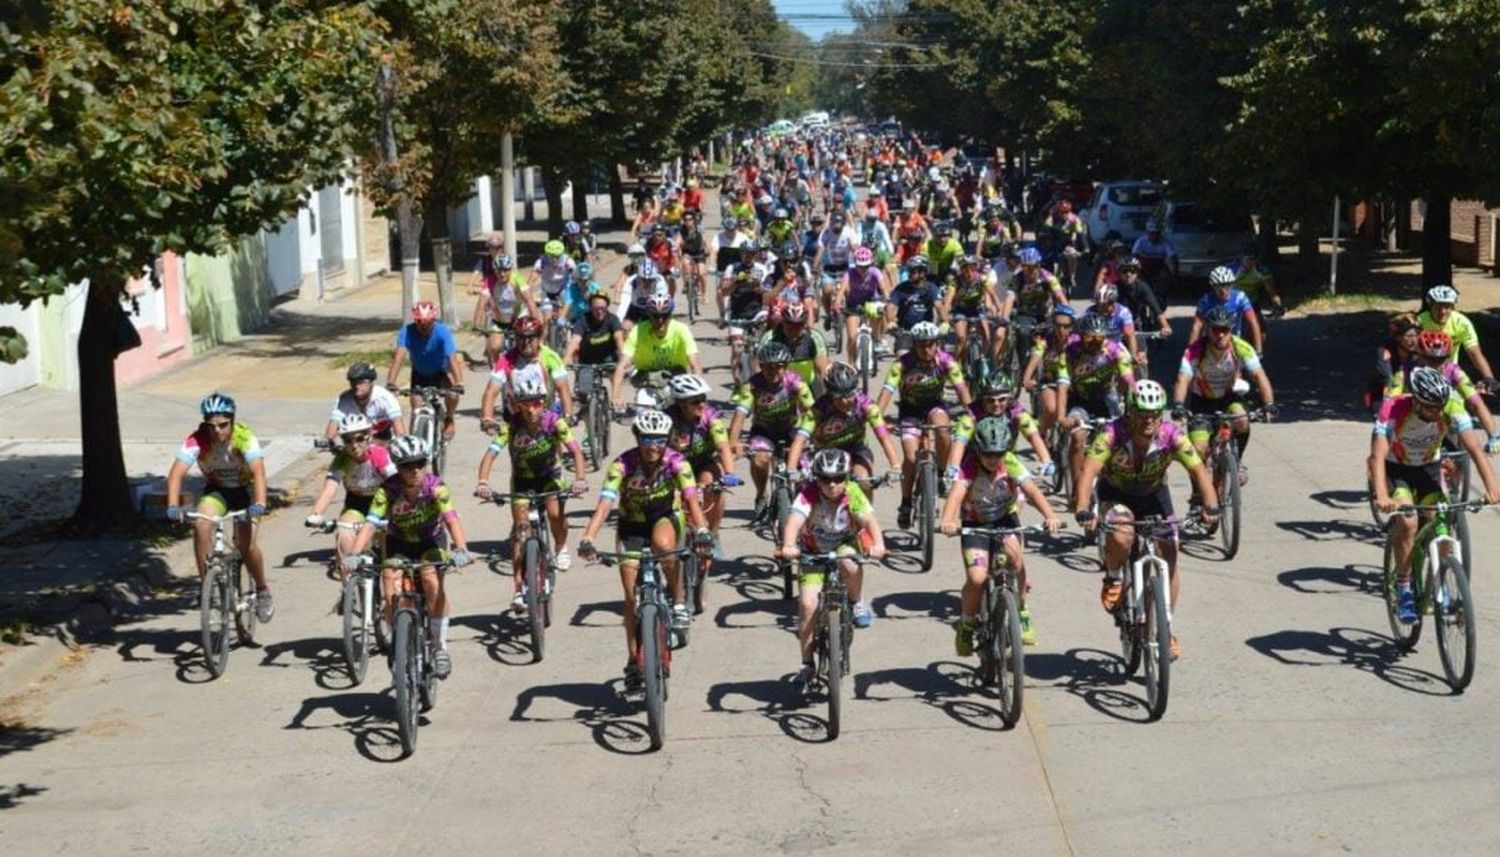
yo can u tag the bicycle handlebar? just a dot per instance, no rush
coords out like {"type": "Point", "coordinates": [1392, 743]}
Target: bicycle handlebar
{"type": "Point", "coordinates": [228, 517]}
{"type": "Point", "coordinates": [1002, 532]}
{"type": "Point", "coordinates": [613, 557]}
{"type": "Point", "coordinates": [502, 498]}
{"type": "Point", "coordinates": [1465, 506]}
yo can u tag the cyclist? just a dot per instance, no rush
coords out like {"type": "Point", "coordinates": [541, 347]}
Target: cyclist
{"type": "Point", "coordinates": [664, 346]}
{"type": "Point", "coordinates": [653, 486]}
{"type": "Point", "coordinates": [1047, 368]}
{"type": "Point", "coordinates": [808, 349]}
{"type": "Point", "coordinates": [539, 441]}
{"type": "Point", "coordinates": [1099, 369]}
{"type": "Point", "coordinates": [1107, 271]}
{"type": "Point", "coordinates": [550, 276]}
{"type": "Point", "coordinates": [435, 360]}
{"type": "Point", "coordinates": [415, 508]}
{"type": "Point", "coordinates": [1138, 297]}
{"type": "Point", "coordinates": [838, 420]}
{"type": "Point", "coordinates": [1406, 463]}
{"type": "Point", "coordinates": [234, 473]}
{"type": "Point", "coordinates": [1120, 319]}
{"type": "Point", "coordinates": [1399, 349]}
{"type": "Point", "coordinates": [1037, 290]}
{"type": "Point", "coordinates": [1206, 380]}
{"type": "Point", "coordinates": [997, 398]}
{"type": "Point", "coordinates": [1001, 228]}
{"type": "Point", "coordinates": [989, 481]}
{"type": "Point", "coordinates": [915, 299]}
{"type": "Point", "coordinates": [661, 250]}
{"type": "Point", "coordinates": [360, 467]}
{"type": "Point", "coordinates": [830, 515]}
{"type": "Point", "coordinates": [573, 242]}
{"type": "Point", "coordinates": [920, 377]}
{"type": "Point", "coordinates": [379, 405]}
{"type": "Point", "coordinates": [597, 341]}
{"type": "Point", "coordinates": [860, 295]}
{"type": "Point", "coordinates": [1156, 254]}
{"type": "Point", "coordinates": [644, 286]}
{"type": "Point", "coordinates": [774, 400]}
{"type": "Point", "coordinates": [1441, 314]}
{"type": "Point", "coordinates": [1252, 279]}
{"type": "Point", "coordinates": [1129, 458]}
{"type": "Point", "coordinates": [1069, 229]}
{"type": "Point", "coordinates": [1223, 294]}
{"type": "Point", "coordinates": [972, 295]}
{"type": "Point", "coordinates": [701, 437]}
{"type": "Point", "coordinates": [576, 296]}
{"type": "Point", "coordinates": [528, 358]}
{"type": "Point", "coordinates": [1435, 351]}
{"type": "Point", "coordinates": [692, 249]}
{"type": "Point", "coordinates": [790, 282]}
{"type": "Point", "coordinates": [943, 250]}
{"type": "Point", "coordinates": [724, 249]}
{"type": "Point", "coordinates": [504, 297]}
{"type": "Point", "coordinates": [780, 229]}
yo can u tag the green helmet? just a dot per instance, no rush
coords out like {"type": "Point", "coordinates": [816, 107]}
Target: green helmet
{"type": "Point", "coordinates": [992, 435]}
{"type": "Point", "coordinates": [996, 383]}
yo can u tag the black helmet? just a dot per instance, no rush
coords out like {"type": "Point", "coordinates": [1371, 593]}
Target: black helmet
{"type": "Point", "coordinates": [842, 380]}
{"type": "Point", "coordinates": [1220, 316]}
{"type": "Point", "coordinates": [774, 352]}
{"type": "Point", "coordinates": [360, 372]}
{"type": "Point", "coordinates": [1093, 325]}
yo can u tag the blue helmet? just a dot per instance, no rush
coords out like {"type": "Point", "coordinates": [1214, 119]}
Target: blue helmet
{"type": "Point", "coordinates": [1031, 256]}
{"type": "Point", "coordinates": [216, 403]}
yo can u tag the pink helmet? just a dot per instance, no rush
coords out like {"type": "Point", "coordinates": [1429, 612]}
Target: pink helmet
{"type": "Point", "coordinates": [863, 257]}
{"type": "Point", "coordinates": [424, 311]}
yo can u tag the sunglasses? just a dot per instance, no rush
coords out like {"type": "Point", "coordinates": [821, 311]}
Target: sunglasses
{"type": "Point", "coordinates": [696, 400]}
{"type": "Point", "coordinates": [356, 438]}
{"type": "Point", "coordinates": [1092, 339]}
{"type": "Point", "coordinates": [1219, 330]}
{"type": "Point", "coordinates": [653, 440]}
{"type": "Point", "coordinates": [1149, 416]}
{"type": "Point", "coordinates": [218, 424]}
{"type": "Point", "coordinates": [833, 480]}
{"type": "Point", "coordinates": [409, 468]}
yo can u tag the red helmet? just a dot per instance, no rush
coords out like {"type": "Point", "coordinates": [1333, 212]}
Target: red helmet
{"type": "Point", "coordinates": [528, 326]}
{"type": "Point", "coordinates": [424, 311]}
{"type": "Point", "coordinates": [794, 313]}
{"type": "Point", "coordinates": [1435, 344]}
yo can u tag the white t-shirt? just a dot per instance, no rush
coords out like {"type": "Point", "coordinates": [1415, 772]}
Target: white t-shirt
{"type": "Point", "coordinates": [382, 408]}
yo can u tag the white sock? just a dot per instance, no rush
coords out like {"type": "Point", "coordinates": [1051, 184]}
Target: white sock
{"type": "Point", "coordinates": [1114, 573]}
{"type": "Point", "coordinates": [442, 632]}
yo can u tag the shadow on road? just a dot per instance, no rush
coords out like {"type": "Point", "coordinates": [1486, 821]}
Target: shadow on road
{"type": "Point", "coordinates": [366, 716]}
{"type": "Point", "coordinates": [916, 605]}
{"type": "Point", "coordinates": [1093, 675]}
{"type": "Point", "coordinates": [614, 609]}
{"type": "Point", "coordinates": [503, 637]}
{"type": "Point", "coordinates": [949, 686]}
{"type": "Point", "coordinates": [11, 796]}
{"type": "Point", "coordinates": [1353, 577]}
{"type": "Point", "coordinates": [324, 655]}
{"type": "Point", "coordinates": [1334, 530]}
{"type": "Point", "coordinates": [760, 598]}
{"type": "Point", "coordinates": [1361, 649]}
{"type": "Point", "coordinates": [596, 705]}
{"type": "Point", "coordinates": [1343, 500]}
{"type": "Point", "coordinates": [778, 701]}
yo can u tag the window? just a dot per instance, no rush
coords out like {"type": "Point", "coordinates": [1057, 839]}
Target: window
{"type": "Point", "coordinates": [1197, 218]}
{"type": "Point", "coordinates": [1135, 195]}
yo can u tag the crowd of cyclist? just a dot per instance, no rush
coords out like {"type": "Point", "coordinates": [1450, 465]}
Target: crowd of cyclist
{"type": "Point", "coordinates": [973, 316]}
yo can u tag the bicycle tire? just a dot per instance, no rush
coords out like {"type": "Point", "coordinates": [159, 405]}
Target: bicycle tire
{"type": "Point", "coordinates": [592, 453]}
{"type": "Point", "coordinates": [1130, 643]}
{"type": "Point", "coordinates": [652, 637]}
{"type": "Point", "coordinates": [602, 426]}
{"type": "Point", "coordinates": [864, 354]}
{"type": "Point", "coordinates": [1406, 635]}
{"type": "Point", "coordinates": [1229, 504]}
{"type": "Point", "coordinates": [1461, 532]}
{"type": "Point", "coordinates": [692, 570]}
{"type": "Point", "coordinates": [531, 564]}
{"type": "Point", "coordinates": [1158, 649]}
{"type": "Point", "coordinates": [213, 607]}
{"type": "Point", "coordinates": [356, 631]}
{"type": "Point", "coordinates": [783, 500]}
{"type": "Point", "coordinates": [833, 668]}
{"type": "Point", "coordinates": [244, 616]}
{"type": "Point", "coordinates": [1010, 657]}
{"type": "Point", "coordinates": [1381, 519]}
{"type": "Point", "coordinates": [1064, 461]}
{"type": "Point", "coordinates": [1453, 622]}
{"type": "Point", "coordinates": [692, 299]}
{"type": "Point", "coordinates": [404, 677]}
{"type": "Point", "coordinates": [928, 510]}
{"type": "Point", "coordinates": [383, 630]}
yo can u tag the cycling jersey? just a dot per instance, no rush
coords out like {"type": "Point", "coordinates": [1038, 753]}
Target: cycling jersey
{"type": "Point", "coordinates": [415, 521]}
{"type": "Point", "coordinates": [831, 523]}
{"type": "Point", "coordinates": [828, 429]}
{"type": "Point", "coordinates": [429, 354]}
{"type": "Point", "coordinates": [1458, 327]}
{"type": "Point", "coordinates": [1118, 319]}
{"type": "Point", "coordinates": [535, 454]}
{"type": "Point", "coordinates": [1069, 225]}
{"type": "Point", "coordinates": [969, 293]}
{"type": "Point", "coordinates": [1145, 248]}
{"type": "Point", "coordinates": [382, 409]}
{"type": "Point", "coordinates": [698, 442]}
{"type": "Point", "coordinates": [1036, 295]}
{"type": "Point", "coordinates": [669, 351]}
{"type": "Point", "coordinates": [693, 243]}
{"type": "Point", "coordinates": [511, 368]}
{"type": "Point", "coordinates": [920, 387]}
{"type": "Point", "coordinates": [1251, 282]}
{"type": "Point", "coordinates": [774, 407]}
{"type": "Point", "coordinates": [223, 465]}
{"type": "Point", "coordinates": [647, 496]}
{"type": "Point", "coordinates": [596, 339]}
{"type": "Point", "coordinates": [915, 303]}
{"type": "Point", "coordinates": [505, 298]}
{"type": "Point", "coordinates": [362, 477]}
{"type": "Point", "coordinates": [942, 254]}
{"type": "Point", "coordinates": [989, 497]}
{"type": "Point", "coordinates": [1414, 440]}
{"type": "Point", "coordinates": [642, 289]}
{"type": "Point", "coordinates": [660, 252]}
{"type": "Point", "coordinates": [1054, 365]}
{"type": "Point", "coordinates": [1456, 377]}
{"type": "Point", "coordinates": [805, 350]}
{"type": "Point", "coordinates": [779, 231]}
{"type": "Point", "coordinates": [864, 286]}
{"type": "Point", "coordinates": [1235, 302]}
{"type": "Point", "coordinates": [726, 245]}
{"type": "Point", "coordinates": [1213, 374]}
{"type": "Point", "coordinates": [838, 245]}
{"type": "Point", "coordinates": [1140, 476]}
{"type": "Point", "coordinates": [555, 272]}
{"type": "Point", "coordinates": [1094, 375]}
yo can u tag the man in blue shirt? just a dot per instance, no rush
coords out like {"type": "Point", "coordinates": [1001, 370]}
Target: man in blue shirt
{"type": "Point", "coordinates": [1222, 293]}
{"type": "Point", "coordinates": [915, 299]}
{"type": "Point", "coordinates": [435, 361]}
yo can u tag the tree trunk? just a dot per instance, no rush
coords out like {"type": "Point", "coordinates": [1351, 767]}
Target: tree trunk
{"type": "Point", "coordinates": [1265, 239]}
{"type": "Point", "coordinates": [442, 259]}
{"type": "Point", "coordinates": [552, 186]}
{"type": "Point", "coordinates": [616, 196]}
{"type": "Point", "coordinates": [1437, 246]}
{"type": "Point", "coordinates": [581, 180]}
{"type": "Point", "coordinates": [104, 495]}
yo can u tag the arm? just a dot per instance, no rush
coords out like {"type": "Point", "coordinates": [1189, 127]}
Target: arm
{"type": "Point", "coordinates": [325, 496]}
{"type": "Point", "coordinates": [1263, 384]}
{"type": "Point", "coordinates": [258, 490]}
{"type": "Point", "coordinates": [1252, 324]}
{"type": "Point", "coordinates": [957, 493]}
{"type": "Point", "coordinates": [1083, 491]}
{"type": "Point", "coordinates": [174, 481]}
{"type": "Point", "coordinates": [788, 545]}
{"type": "Point", "coordinates": [619, 379]}
{"type": "Point", "coordinates": [487, 402]}
{"type": "Point", "coordinates": [1481, 365]}
{"type": "Point", "coordinates": [393, 374]}
{"type": "Point", "coordinates": [486, 462]}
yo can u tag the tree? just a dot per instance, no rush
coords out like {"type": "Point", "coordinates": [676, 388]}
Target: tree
{"type": "Point", "coordinates": [160, 125]}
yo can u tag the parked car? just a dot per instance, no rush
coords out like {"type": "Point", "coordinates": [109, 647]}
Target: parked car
{"type": "Point", "coordinates": [1203, 237]}
{"type": "Point", "coordinates": [1121, 207]}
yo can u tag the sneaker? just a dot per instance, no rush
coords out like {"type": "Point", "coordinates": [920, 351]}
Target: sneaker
{"type": "Point", "coordinates": [903, 515]}
{"type": "Point", "coordinates": [563, 561]}
{"type": "Point", "coordinates": [518, 601]}
{"type": "Point", "coordinates": [963, 638]}
{"type": "Point", "coordinates": [1110, 594]}
{"type": "Point", "coordinates": [863, 618]}
{"type": "Point", "coordinates": [1175, 647]}
{"type": "Point", "coordinates": [682, 618]}
{"type": "Point", "coordinates": [1244, 476]}
{"type": "Point", "coordinates": [1028, 633]}
{"type": "Point", "coordinates": [442, 665]}
{"type": "Point", "coordinates": [265, 606]}
{"type": "Point", "coordinates": [634, 682]}
{"type": "Point", "coordinates": [806, 677]}
{"type": "Point", "coordinates": [1406, 604]}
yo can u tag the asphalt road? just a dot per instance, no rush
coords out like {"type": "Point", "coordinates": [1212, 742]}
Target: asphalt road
{"type": "Point", "coordinates": [1294, 725]}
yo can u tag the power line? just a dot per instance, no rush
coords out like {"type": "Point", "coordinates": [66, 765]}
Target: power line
{"type": "Point", "coordinates": [836, 64]}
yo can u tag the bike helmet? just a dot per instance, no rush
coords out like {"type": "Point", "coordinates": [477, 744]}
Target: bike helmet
{"type": "Point", "coordinates": [1108, 294]}
{"type": "Point", "coordinates": [997, 383]}
{"type": "Point", "coordinates": [1152, 226]}
{"type": "Point", "coordinates": [353, 424]}
{"type": "Point", "coordinates": [992, 435]}
{"type": "Point", "coordinates": [789, 250]}
{"type": "Point", "coordinates": [688, 387]}
{"type": "Point", "coordinates": [216, 403]}
{"type": "Point", "coordinates": [585, 270]}
{"type": "Point", "coordinates": [408, 449]}
{"type": "Point", "coordinates": [1442, 295]}
{"type": "Point", "coordinates": [635, 251]}
{"type": "Point", "coordinates": [794, 313]}
{"type": "Point", "coordinates": [1435, 344]}
{"type": "Point", "coordinates": [598, 290]}
{"type": "Point", "coordinates": [1031, 256]}
{"type": "Point", "coordinates": [942, 228]}
{"type": "Point", "coordinates": [774, 352]}
{"type": "Point", "coordinates": [528, 388]}
{"type": "Point", "coordinates": [645, 269]}
{"type": "Point", "coordinates": [572, 228]}
{"type": "Point", "coordinates": [1063, 310]}
{"type": "Point", "coordinates": [651, 423]}
{"type": "Point", "coordinates": [1428, 386]}
{"type": "Point", "coordinates": [1148, 395]}
{"type": "Point", "coordinates": [660, 305]}
{"type": "Point", "coordinates": [968, 261]}
{"type": "Point", "coordinates": [1220, 316]}
{"type": "Point", "coordinates": [842, 380]}
{"type": "Point", "coordinates": [730, 224]}
{"type": "Point", "coordinates": [863, 258]}
{"type": "Point", "coordinates": [1131, 263]}
{"type": "Point", "coordinates": [1220, 276]}
{"type": "Point", "coordinates": [1401, 322]}
{"type": "Point", "coordinates": [831, 464]}
{"type": "Point", "coordinates": [780, 214]}
{"type": "Point", "coordinates": [925, 331]}
{"type": "Point", "coordinates": [554, 248]}
{"type": "Point", "coordinates": [360, 371]}
{"type": "Point", "coordinates": [1093, 325]}
{"type": "Point", "coordinates": [504, 262]}
{"type": "Point", "coordinates": [918, 263]}
{"type": "Point", "coordinates": [527, 326]}
{"type": "Point", "coordinates": [424, 311]}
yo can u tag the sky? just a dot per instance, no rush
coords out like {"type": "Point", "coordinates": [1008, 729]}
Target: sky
{"type": "Point", "coordinates": [809, 16]}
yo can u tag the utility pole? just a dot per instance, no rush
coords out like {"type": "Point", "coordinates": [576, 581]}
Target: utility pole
{"type": "Point", "coordinates": [408, 228]}
{"type": "Point", "coordinates": [508, 192]}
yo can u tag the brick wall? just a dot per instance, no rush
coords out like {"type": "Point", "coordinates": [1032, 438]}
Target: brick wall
{"type": "Point", "coordinates": [1472, 235]}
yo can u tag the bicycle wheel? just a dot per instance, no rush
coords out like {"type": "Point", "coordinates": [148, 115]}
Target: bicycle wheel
{"type": "Point", "coordinates": [1453, 620]}
{"type": "Point", "coordinates": [600, 430]}
{"type": "Point", "coordinates": [1461, 532]}
{"type": "Point", "coordinates": [592, 451]}
{"type": "Point", "coordinates": [783, 500]}
{"type": "Point", "coordinates": [1009, 654]}
{"type": "Point", "coordinates": [1381, 519]}
{"type": "Point", "coordinates": [1130, 642]}
{"type": "Point", "coordinates": [439, 449]}
{"type": "Point", "coordinates": [692, 299]}
{"type": "Point", "coordinates": [404, 668]}
{"type": "Point", "coordinates": [1063, 457]}
{"type": "Point", "coordinates": [1406, 634]}
{"type": "Point", "coordinates": [214, 607]}
{"type": "Point", "coordinates": [928, 486]}
{"type": "Point", "coordinates": [356, 630]}
{"type": "Point", "coordinates": [830, 650]}
{"type": "Point", "coordinates": [692, 570]}
{"type": "Point", "coordinates": [1229, 504]}
{"type": "Point", "coordinates": [244, 608]}
{"type": "Point", "coordinates": [531, 564]}
{"type": "Point", "coordinates": [864, 355]}
{"type": "Point", "coordinates": [653, 636]}
{"type": "Point", "coordinates": [1158, 649]}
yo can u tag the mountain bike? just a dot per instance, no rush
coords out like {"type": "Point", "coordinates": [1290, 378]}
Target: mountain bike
{"type": "Point", "coordinates": [1065, 440]}
{"type": "Point", "coordinates": [864, 351]}
{"type": "Point", "coordinates": [598, 415]}
{"type": "Point", "coordinates": [742, 345]}
{"type": "Point", "coordinates": [1144, 616]}
{"type": "Point", "coordinates": [833, 632]}
{"type": "Point", "coordinates": [693, 284]}
{"type": "Point", "coordinates": [783, 485]}
{"type": "Point", "coordinates": [411, 664]}
{"type": "Point", "coordinates": [924, 495]}
{"type": "Point", "coordinates": [1441, 587]}
{"type": "Point", "coordinates": [363, 617]}
{"type": "Point", "coordinates": [538, 569]}
{"type": "Point", "coordinates": [222, 593]}
{"type": "Point", "coordinates": [559, 331]}
{"type": "Point", "coordinates": [1224, 468]}
{"type": "Point", "coordinates": [428, 419]}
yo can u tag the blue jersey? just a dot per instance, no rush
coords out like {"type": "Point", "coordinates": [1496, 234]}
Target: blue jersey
{"type": "Point", "coordinates": [1236, 302]}
{"type": "Point", "coordinates": [915, 304]}
{"type": "Point", "coordinates": [429, 354]}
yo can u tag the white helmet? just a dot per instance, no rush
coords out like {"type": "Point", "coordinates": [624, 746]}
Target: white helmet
{"type": "Point", "coordinates": [1221, 276]}
{"type": "Point", "coordinates": [1442, 295]}
{"type": "Point", "coordinates": [528, 388]}
{"type": "Point", "coordinates": [1148, 395]}
{"type": "Point", "coordinates": [353, 423]}
{"type": "Point", "coordinates": [925, 331]}
{"type": "Point", "coordinates": [650, 423]}
{"type": "Point", "coordinates": [687, 387]}
{"type": "Point", "coordinates": [635, 250]}
{"type": "Point", "coordinates": [408, 449]}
